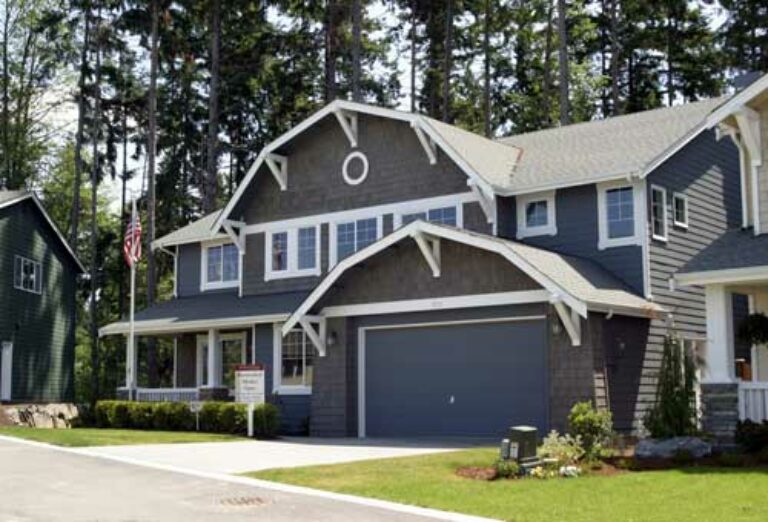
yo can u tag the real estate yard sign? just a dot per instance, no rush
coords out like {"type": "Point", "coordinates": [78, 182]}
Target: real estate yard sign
{"type": "Point", "coordinates": [249, 384]}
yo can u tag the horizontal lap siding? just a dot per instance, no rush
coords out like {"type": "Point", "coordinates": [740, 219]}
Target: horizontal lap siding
{"type": "Point", "coordinates": [40, 326]}
{"type": "Point", "coordinates": [707, 171]}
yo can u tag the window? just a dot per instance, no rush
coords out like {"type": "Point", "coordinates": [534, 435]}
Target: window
{"type": "Point", "coordinates": [441, 216]}
{"type": "Point", "coordinates": [222, 266]}
{"type": "Point", "coordinates": [353, 236]}
{"type": "Point", "coordinates": [680, 210]}
{"type": "Point", "coordinates": [27, 275]}
{"type": "Point", "coordinates": [617, 215]}
{"type": "Point", "coordinates": [536, 215]}
{"type": "Point", "coordinates": [294, 357]}
{"type": "Point", "coordinates": [292, 253]}
{"type": "Point", "coordinates": [659, 213]}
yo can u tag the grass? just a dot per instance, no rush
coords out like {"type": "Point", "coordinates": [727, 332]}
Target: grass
{"type": "Point", "coordinates": [77, 437]}
{"type": "Point", "coordinates": [692, 494]}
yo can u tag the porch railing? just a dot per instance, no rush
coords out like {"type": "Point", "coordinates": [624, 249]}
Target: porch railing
{"type": "Point", "coordinates": [167, 394]}
{"type": "Point", "coordinates": [753, 401]}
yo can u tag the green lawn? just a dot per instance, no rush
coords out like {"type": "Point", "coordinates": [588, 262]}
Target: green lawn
{"type": "Point", "coordinates": [694, 494]}
{"type": "Point", "coordinates": [76, 437]}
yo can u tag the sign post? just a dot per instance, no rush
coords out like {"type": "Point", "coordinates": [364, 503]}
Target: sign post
{"type": "Point", "coordinates": [249, 389]}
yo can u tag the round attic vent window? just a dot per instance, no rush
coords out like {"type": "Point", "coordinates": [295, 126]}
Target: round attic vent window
{"type": "Point", "coordinates": [359, 173]}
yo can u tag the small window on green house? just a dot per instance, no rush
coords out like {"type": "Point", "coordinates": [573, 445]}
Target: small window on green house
{"type": "Point", "coordinates": [27, 275]}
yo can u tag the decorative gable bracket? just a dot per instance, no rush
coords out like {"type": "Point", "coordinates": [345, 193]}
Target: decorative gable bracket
{"type": "Point", "coordinates": [278, 165]}
{"type": "Point", "coordinates": [426, 142]}
{"type": "Point", "coordinates": [486, 198]}
{"type": "Point", "coordinates": [430, 249]}
{"type": "Point", "coordinates": [348, 122]}
{"type": "Point", "coordinates": [316, 335]}
{"type": "Point", "coordinates": [237, 238]}
{"type": "Point", "coordinates": [749, 128]}
{"type": "Point", "coordinates": [570, 319]}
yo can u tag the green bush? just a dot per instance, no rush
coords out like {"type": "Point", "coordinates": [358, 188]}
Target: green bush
{"type": "Point", "coordinates": [173, 416]}
{"type": "Point", "coordinates": [224, 417]}
{"type": "Point", "coordinates": [593, 427]}
{"type": "Point", "coordinates": [507, 468]}
{"type": "Point", "coordinates": [731, 460]}
{"type": "Point", "coordinates": [752, 436]}
{"type": "Point", "coordinates": [567, 450]}
{"type": "Point", "coordinates": [683, 457]}
{"type": "Point", "coordinates": [266, 421]}
{"type": "Point", "coordinates": [140, 415]}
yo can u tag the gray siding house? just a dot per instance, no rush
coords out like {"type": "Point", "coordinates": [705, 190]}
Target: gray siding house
{"type": "Point", "coordinates": [398, 276]}
{"type": "Point", "coordinates": [38, 278]}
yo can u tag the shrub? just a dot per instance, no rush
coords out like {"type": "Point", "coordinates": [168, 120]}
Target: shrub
{"type": "Point", "coordinates": [140, 415]}
{"type": "Point", "coordinates": [752, 436]}
{"type": "Point", "coordinates": [173, 416]}
{"type": "Point", "coordinates": [594, 428]}
{"type": "Point", "coordinates": [683, 457]}
{"type": "Point", "coordinates": [506, 468]}
{"type": "Point", "coordinates": [266, 421]}
{"type": "Point", "coordinates": [731, 460]}
{"type": "Point", "coordinates": [674, 411]}
{"type": "Point", "coordinates": [762, 456]}
{"type": "Point", "coordinates": [567, 450]}
{"type": "Point", "coordinates": [223, 417]}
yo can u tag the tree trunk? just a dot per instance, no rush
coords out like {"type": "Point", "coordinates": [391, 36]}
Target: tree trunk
{"type": "Point", "coordinates": [74, 219]}
{"type": "Point", "coordinates": [357, 44]}
{"type": "Point", "coordinates": [413, 55]}
{"type": "Point", "coordinates": [210, 183]}
{"type": "Point", "coordinates": [6, 101]}
{"type": "Point", "coordinates": [330, 51]}
{"type": "Point", "coordinates": [487, 69]}
{"type": "Point", "coordinates": [547, 88]}
{"type": "Point", "coordinates": [94, 331]}
{"type": "Point", "coordinates": [565, 109]}
{"type": "Point", "coordinates": [615, 51]}
{"type": "Point", "coordinates": [151, 150]}
{"type": "Point", "coordinates": [447, 62]}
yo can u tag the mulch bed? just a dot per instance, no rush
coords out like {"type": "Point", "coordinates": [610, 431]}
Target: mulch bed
{"type": "Point", "coordinates": [477, 473]}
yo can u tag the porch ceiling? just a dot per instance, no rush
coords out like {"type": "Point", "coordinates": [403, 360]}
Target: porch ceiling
{"type": "Point", "coordinates": [213, 310]}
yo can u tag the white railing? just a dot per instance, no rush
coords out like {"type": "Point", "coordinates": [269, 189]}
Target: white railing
{"type": "Point", "coordinates": [167, 394]}
{"type": "Point", "coordinates": [753, 401]}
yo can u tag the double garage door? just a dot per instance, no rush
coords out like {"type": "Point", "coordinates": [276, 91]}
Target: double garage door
{"type": "Point", "coordinates": [464, 379]}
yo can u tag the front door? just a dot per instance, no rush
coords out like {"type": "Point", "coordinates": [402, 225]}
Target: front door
{"type": "Point", "coordinates": [6, 365]}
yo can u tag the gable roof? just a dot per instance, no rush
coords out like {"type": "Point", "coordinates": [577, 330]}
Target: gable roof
{"type": "Point", "coordinates": [488, 163]}
{"type": "Point", "coordinates": [735, 251]}
{"type": "Point", "coordinates": [581, 284]}
{"type": "Point", "coordinates": [607, 149]}
{"type": "Point", "coordinates": [12, 197]}
{"type": "Point", "coordinates": [196, 231]}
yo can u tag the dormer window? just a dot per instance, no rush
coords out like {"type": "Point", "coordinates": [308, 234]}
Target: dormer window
{"type": "Point", "coordinates": [536, 215]}
{"type": "Point", "coordinates": [221, 266]}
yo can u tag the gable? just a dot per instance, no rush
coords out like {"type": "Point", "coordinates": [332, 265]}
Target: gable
{"type": "Point", "coordinates": [398, 170]}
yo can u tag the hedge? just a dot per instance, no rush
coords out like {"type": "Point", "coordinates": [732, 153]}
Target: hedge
{"type": "Point", "coordinates": [214, 417]}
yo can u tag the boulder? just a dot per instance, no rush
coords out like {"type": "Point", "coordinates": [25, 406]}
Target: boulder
{"type": "Point", "coordinates": [667, 448]}
{"type": "Point", "coordinates": [39, 415]}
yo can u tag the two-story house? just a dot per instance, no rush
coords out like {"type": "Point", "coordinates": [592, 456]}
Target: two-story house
{"type": "Point", "coordinates": [38, 282]}
{"type": "Point", "coordinates": [398, 276]}
{"type": "Point", "coordinates": [735, 382]}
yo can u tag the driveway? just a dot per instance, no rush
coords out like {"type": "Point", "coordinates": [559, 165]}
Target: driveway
{"type": "Point", "coordinates": [40, 483]}
{"type": "Point", "coordinates": [239, 457]}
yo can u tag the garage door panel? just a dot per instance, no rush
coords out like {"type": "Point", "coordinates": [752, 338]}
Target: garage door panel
{"type": "Point", "coordinates": [467, 379]}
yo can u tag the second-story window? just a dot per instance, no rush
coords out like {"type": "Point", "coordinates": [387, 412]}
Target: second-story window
{"type": "Point", "coordinates": [292, 253]}
{"type": "Point", "coordinates": [441, 216]}
{"type": "Point", "coordinates": [659, 213]}
{"type": "Point", "coordinates": [618, 207]}
{"type": "Point", "coordinates": [536, 215]}
{"type": "Point", "coordinates": [353, 236]}
{"type": "Point", "coordinates": [222, 266]}
{"type": "Point", "coordinates": [27, 275]}
{"type": "Point", "coordinates": [680, 210]}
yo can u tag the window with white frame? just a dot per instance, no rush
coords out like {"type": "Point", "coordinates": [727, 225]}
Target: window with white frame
{"type": "Point", "coordinates": [27, 275]}
{"type": "Point", "coordinates": [617, 215]}
{"type": "Point", "coordinates": [536, 215]}
{"type": "Point", "coordinates": [294, 361]}
{"type": "Point", "coordinates": [680, 210]}
{"type": "Point", "coordinates": [441, 216]}
{"type": "Point", "coordinates": [352, 236]}
{"type": "Point", "coordinates": [659, 213]}
{"type": "Point", "coordinates": [292, 253]}
{"type": "Point", "coordinates": [221, 267]}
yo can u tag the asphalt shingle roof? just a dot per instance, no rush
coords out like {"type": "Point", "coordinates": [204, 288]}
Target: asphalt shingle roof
{"type": "Point", "coordinates": [10, 195]}
{"type": "Point", "coordinates": [197, 230]}
{"type": "Point", "coordinates": [736, 248]}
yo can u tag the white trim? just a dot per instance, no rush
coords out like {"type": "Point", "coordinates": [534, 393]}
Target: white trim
{"type": "Point", "coordinates": [253, 344]}
{"type": "Point", "coordinates": [6, 379]}
{"type": "Point", "coordinates": [487, 243]}
{"type": "Point", "coordinates": [438, 303]}
{"type": "Point", "coordinates": [348, 122]}
{"type": "Point", "coordinates": [345, 168]}
{"type": "Point", "coordinates": [218, 285]}
{"type": "Point", "coordinates": [292, 269]}
{"type": "Point", "coordinates": [333, 248]}
{"type": "Point", "coordinates": [729, 275]}
{"type": "Point", "coordinates": [361, 350]}
{"type": "Point", "coordinates": [168, 326]}
{"type": "Point", "coordinates": [679, 196]}
{"type": "Point", "coordinates": [277, 365]}
{"type": "Point", "coordinates": [37, 274]}
{"type": "Point", "coordinates": [522, 202]}
{"type": "Point", "coordinates": [638, 201]}
{"type": "Point", "coordinates": [665, 235]}
{"type": "Point", "coordinates": [430, 249]}
{"type": "Point", "coordinates": [428, 144]}
{"type": "Point", "coordinates": [673, 149]}
{"type": "Point", "coordinates": [570, 320]}
{"type": "Point", "coordinates": [403, 207]}
{"type": "Point", "coordinates": [278, 166]}
{"type": "Point", "coordinates": [737, 101]}
{"type": "Point", "coordinates": [645, 243]}
{"type": "Point", "coordinates": [175, 361]}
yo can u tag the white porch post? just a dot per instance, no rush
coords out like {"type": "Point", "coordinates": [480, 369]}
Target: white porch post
{"type": "Point", "coordinates": [214, 359]}
{"type": "Point", "coordinates": [719, 357]}
{"type": "Point", "coordinates": [131, 365]}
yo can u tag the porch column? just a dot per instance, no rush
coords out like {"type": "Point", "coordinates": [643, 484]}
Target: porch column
{"type": "Point", "coordinates": [131, 366]}
{"type": "Point", "coordinates": [214, 359]}
{"type": "Point", "coordinates": [719, 387]}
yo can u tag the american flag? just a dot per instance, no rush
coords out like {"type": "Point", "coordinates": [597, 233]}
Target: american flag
{"type": "Point", "coordinates": [132, 243]}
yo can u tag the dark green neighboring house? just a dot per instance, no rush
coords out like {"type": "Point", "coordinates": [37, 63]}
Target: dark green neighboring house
{"type": "Point", "coordinates": [38, 278]}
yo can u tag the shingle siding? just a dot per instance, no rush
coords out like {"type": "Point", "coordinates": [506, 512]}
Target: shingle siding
{"type": "Point", "coordinates": [188, 270]}
{"type": "Point", "coordinates": [40, 326]}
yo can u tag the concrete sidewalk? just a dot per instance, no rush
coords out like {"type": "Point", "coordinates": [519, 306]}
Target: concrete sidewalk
{"type": "Point", "coordinates": [239, 457]}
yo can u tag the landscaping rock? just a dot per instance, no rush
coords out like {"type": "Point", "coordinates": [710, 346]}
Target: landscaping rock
{"type": "Point", "coordinates": [39, 415]}
{"type": "Point", "coordinates": [668, 448]}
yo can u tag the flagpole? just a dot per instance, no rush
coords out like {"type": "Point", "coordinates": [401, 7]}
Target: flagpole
{"type": "Point", "coordinates": [131, 335]}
